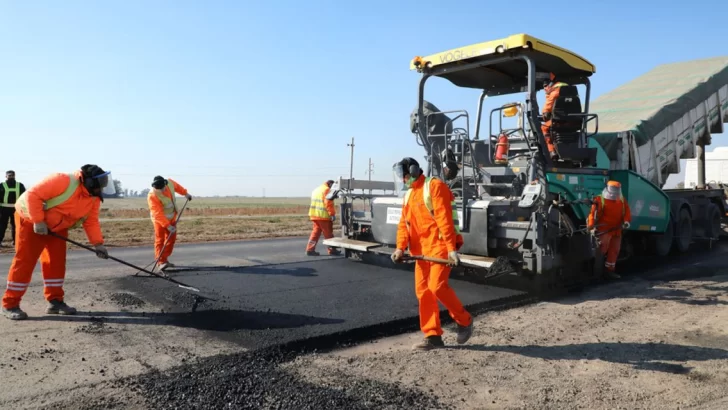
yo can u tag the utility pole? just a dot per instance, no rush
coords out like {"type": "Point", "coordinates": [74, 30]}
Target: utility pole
{"type": "Point", "coordinates": [369, 172]}
{"type": "Point", "coordinates": [351, 162]}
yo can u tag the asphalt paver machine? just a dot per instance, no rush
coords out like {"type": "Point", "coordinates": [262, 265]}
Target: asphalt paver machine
{"type": "Point", "coordinates": [523, 212]}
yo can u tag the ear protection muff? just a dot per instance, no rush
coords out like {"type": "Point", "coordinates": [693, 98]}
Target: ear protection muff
{"type": "Point", "coordinates": [415, 171]}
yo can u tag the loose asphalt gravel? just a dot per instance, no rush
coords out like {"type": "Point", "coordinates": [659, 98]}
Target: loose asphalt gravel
{"type": "Point", "coordinates": [254, 381]}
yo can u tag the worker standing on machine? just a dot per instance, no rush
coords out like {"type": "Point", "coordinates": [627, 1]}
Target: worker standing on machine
{"type": "Point", "coordinates": [610, 214]}
{"type": "Point", "coordinates": [322, 214]}
{"type": "Point", "coordinates": [552, 89]}
{"type": "Point", "coordinates": [429, 227]}
{"type": "Point", "coordinates": [57, 203]}
{"type": "Point", "coordinates": [162, 201]}
{"type": "Point", "coordinates": [10, 191]}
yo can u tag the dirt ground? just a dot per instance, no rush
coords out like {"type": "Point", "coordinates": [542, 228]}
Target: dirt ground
{"type": "Point", "coordinates": [647, 342]}
{"type": "Point", "coordinates": [637, 343]}
{"type": "Point", "coordinates": [48, 360]}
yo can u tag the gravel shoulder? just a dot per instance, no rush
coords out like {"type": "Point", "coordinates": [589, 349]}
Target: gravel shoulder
{"type": "Point", "coordinates": [637, 343]}
{"type": "Point", "coordinates": [651, 342]}
{"type": "Point", "coordinates": [60, 361]}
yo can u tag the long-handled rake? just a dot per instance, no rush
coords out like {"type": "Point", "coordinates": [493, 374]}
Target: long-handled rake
{"type": "Point", "coordinates": [180, 284]}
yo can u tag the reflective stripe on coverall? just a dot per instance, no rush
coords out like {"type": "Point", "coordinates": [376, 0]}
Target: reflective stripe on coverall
{"type": "Point", "coordinates": [431, 234]}
{"type": "Point", "coordinates": [552, 93]}
{"type": "Point", "coordinates": [606, 215]}
{"type": "Point", "coordinates": [163, 211]}
{"type": "Point", "coordinates": [63, 203]}
{"type": "Point", "coordinates": [320, 212]}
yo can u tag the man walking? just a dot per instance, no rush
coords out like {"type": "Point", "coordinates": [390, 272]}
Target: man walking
{"type": "Point", "coordinates": [322, 214]}
{"type": "Point", "coordinates": [429, 227]}
{"type": "Point", "coordinates": [163, 210]}
{"type": "Point", "coordinates": [10, 191]}
{"type": "Point", "coordinates": [609, 214]}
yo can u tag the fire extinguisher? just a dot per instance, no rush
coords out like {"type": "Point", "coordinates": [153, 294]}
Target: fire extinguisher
{"type": "Point", "coordinates": [501, 150]}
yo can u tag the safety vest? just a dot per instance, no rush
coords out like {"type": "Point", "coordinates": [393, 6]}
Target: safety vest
{"type": "Point", "coordinates": [169, 204]}
{"type": "Point", "coordinates": [55, 201]}
{"type": "Point", "coordinates": [428, 203]}
{"type": "Point", "coordinates": [317, 208]}
{"type": "Point", "coordinates": [624, 209]}
{"type": "Point", "coordinates": [8, 190]}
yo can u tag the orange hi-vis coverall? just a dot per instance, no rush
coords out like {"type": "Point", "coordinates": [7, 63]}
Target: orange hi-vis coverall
{"type": "Point", "coordinates": [320, 213]}
{"type": "Point", "coordinates": [62, 202]}
{"type": "Point", "coordinates": [608, 216]}
{"type": "Point", "coordinates": [552, 93]}
{"type": "Point", "coordinates": [163, 211]}
{"type": "Point", "coordinates": [435, 235]}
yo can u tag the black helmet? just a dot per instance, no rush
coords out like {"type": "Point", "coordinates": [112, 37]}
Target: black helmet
{"type": "Point", "coordinates": [407, 166]}
{"type": "Point", "coordinates": [159, 182]}
{"type": "Point", "coordinates": [95, 179]}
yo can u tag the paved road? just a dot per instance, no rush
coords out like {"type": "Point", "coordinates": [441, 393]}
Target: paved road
{"type": "Point", "coordinates": [269, 291]}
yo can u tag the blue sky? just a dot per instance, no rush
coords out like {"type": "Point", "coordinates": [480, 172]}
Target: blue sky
{"type": "Point", "coordinates": [233, 97]}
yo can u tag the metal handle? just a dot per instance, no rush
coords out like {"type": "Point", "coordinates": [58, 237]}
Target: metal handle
{"type": "Point", "coordinates": [180, 284]}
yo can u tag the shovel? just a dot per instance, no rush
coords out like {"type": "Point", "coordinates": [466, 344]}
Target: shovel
{"type": "Point", "coordinates": [180, 284]}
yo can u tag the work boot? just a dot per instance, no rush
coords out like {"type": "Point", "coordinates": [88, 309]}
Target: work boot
{"type": "Point", "coordinates": [612, 275]}
{"type": "Point", "coordinates": [312, 253]}
{"type": "Point", "coordinates": [14, 313]}
{"type": "Point", "coordinates": [334, 252]}
{"type": "Point", "coordinates": [164, 266]}
{"type": "Point", "coordinates": [464, 332]}
{"type": "Point", "coordinates": [430, 343]}
{"type": "Point", "coordinates": [170, 264]}
{"type": "Point", "coordinates": [60, 308]}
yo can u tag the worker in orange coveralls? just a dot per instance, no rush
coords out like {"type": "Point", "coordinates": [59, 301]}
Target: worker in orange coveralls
{"type": "Point", "coordinates": [552, 93]}
{"type": "Point", "coordinates": [609, 214]}
{"type": "Point", "coordinates": [162, 201]}
{"type": "Point", "coordinates": [322, 214]}
{"type": "Point", "coordinates": [431, 231]}
{"type": "Point", "coordinates": [56, 204]}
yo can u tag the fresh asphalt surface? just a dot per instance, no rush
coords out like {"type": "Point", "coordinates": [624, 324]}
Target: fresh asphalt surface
{"type": "Point", "coordinates": [267, 291]}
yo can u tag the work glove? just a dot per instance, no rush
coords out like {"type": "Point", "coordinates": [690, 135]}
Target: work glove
{"type": "Point", "coordinates": [625, 225]}
{"type": "Point", "coordinates": [397, 256]}
{"type": "Point", "coordinates": [171, 229]}
{"type": "Point", "coordinates": [40, 228]}
{"type": "Point", "coordinates": [101, 252]}
{"type": "Point", "coordinates": [189, 197]}
{"type": "Point", "coordinates": [453, 258]}
{"type": "Point", "coordinates": [333, 218]}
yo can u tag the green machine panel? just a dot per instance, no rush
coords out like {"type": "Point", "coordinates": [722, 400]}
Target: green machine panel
{"type": "Point", "coordinates": [649, 205]}
{"type": "Point", "coordinates": [575, 187]}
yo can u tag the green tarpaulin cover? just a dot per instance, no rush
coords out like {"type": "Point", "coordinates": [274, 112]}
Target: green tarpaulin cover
{"type": "Point", "coordinates": [650, 103]}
